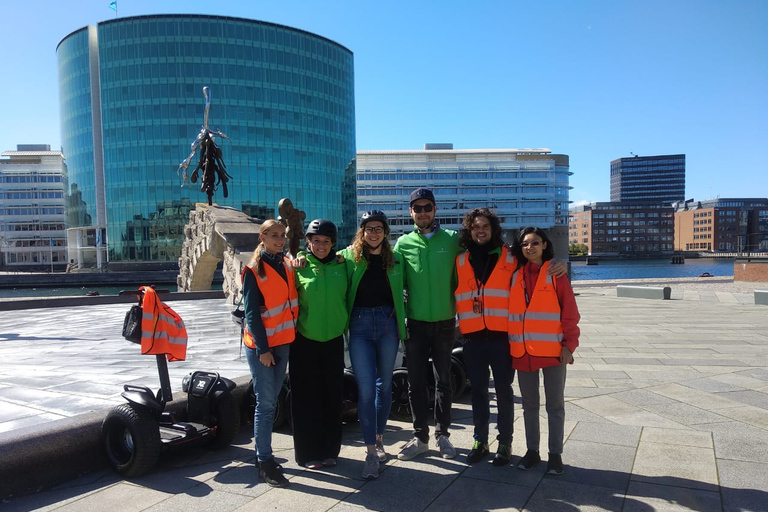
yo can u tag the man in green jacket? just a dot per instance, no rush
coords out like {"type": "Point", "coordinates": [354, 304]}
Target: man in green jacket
{"type": "Point", "coordinates": [429, 253]}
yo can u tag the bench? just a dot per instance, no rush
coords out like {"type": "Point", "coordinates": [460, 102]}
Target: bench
{"type": "Point", "coordinates": [644, 292]}
{"type": "Point", "coordinates": [761, 297]}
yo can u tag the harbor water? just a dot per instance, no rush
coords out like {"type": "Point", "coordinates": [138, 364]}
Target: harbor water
{"type": "Point", "coordinates": [644, 269]}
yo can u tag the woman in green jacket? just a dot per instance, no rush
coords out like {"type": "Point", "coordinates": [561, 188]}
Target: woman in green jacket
{"type": "Point", "coordinates": [376, 326]}
{"type": "Point", "coordinates": [316, 363]}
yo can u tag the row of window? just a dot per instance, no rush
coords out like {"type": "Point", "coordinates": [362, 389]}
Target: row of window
{"type": "Point", "coordinates": [31, 195]}
{"type": "Point", "coordinates": [31, 211]}
{"type": "Point", "coordinates": [25, 178]}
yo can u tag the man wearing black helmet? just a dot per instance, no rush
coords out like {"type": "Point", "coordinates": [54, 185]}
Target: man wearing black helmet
{"type": "Point", "coordinates": [316, 365]}
{"type": "Point", "coordinates": [377, 323]}
{"type": "Point", "coordinates": [429, 253]}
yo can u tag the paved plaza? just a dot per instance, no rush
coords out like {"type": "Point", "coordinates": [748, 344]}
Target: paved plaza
{"type": "Point", "coordinates": [667, 410]}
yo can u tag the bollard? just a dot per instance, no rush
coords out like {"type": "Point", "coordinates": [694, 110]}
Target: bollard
{"type": "Point", "coordinates": [644, 292]}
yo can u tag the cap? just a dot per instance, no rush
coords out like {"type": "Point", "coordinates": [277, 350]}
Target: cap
{"type": "Point", "coordinates": [422, 193]}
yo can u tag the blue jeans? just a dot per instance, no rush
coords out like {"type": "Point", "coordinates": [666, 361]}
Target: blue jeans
{"type": "Point", "coordinates": [373, 344]}
{"type": "Point", "coordinates": [267, 382]}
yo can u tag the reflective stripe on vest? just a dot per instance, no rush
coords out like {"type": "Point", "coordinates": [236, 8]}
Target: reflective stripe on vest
{"type": "Point", "coordinates": [493, 296]}
{"type": "Point", "coordinates": [535, 329]}
{"type": "Point", "coordinates": [282, 302]}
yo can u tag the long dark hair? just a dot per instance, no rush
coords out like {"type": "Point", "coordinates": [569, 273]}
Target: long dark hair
{"type": "Point", "coordinates": [517, 249]}
{"type": "Point", "coordinates": [465, 238]}
{"type": "Point", "coordinates": [360, 248]}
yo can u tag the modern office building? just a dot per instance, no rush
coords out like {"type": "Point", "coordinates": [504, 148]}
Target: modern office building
{"type": "Point", "coordinates": [132, 103]}
{"type": "Point", "coordinates": [653, 179]}
{"type": "Point", "coordinates": [32, 233]}
{"type": "Point", "coordinates": [735, 225]}
{"type": "Point", "coordinates": [626, 229]}
{"type": "Point", "coordinates": [525, 187]}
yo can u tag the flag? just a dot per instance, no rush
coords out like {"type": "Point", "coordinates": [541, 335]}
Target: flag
{"type": "Point", "coordinates": [51, 241]}
{"type": "Point", "coordinates": [98, 238]}
{"type": "Point", "coordinates": [113, 5]}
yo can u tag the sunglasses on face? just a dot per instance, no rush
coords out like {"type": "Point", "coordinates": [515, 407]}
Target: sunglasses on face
{"type": "Point", "coordinates": [425, 208]}
{"type": "Point", "coordinates": [531, 244]}
{"type": "Point", "coordinates": [377, 230]}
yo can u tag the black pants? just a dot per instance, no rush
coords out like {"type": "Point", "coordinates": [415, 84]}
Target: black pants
{"type": "Point", "coordinates": [427, 339]}
{"type": "Point", "coordinates": [316, 370]}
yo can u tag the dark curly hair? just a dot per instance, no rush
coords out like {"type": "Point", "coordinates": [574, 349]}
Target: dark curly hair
{"type": "Point", "coordinates": [517, 248]}
{"type": "Point", "coordinates": [465, 238]}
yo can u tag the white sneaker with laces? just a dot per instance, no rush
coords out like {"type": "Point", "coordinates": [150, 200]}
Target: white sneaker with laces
{"type": "Point", "coordinates": [380, 451]}
{"type": "Point", "coordinates": [413, 448]}
{"type": "Point", "coordinates": [447, 451]}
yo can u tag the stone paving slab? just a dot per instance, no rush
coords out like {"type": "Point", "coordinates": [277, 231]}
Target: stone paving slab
{"type": "Point", "coordinates": [689, 431]}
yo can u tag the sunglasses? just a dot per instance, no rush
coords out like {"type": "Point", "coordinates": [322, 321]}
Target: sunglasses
{"type": "Point", "coordinates": [531, 244]}
{"type": "Point", "coordinates": [425, 208]}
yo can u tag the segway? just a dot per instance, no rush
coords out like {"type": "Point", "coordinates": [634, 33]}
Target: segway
{"type": "Point", "coordinates": [135, 434]}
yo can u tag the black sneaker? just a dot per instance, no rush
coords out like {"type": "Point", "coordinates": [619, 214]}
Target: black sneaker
{"type": "Point", "coordinates": [555, 464]}
{"type": "Point", "coordinates": [502, 455]}
{"type": "Point", "coordinates": [477, 453]}
{"type": "Point", "coordinates": [270, 473]}
{"type": "Point", "coordinates": [529, 461]}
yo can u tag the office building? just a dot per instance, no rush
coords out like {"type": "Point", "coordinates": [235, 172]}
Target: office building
{"type": "Point", "coordinates": [132, 103]}
{"type": "Point", "coordinates": [653, 179]}
{"type": "Point", "coordinates": [736, 225]}
{"type": "Point", "coordinates": [525, 187]}
{"type": "Point", "coordinates": [626, 229]}
{"type": "Point", "coordinates": [32, 233]}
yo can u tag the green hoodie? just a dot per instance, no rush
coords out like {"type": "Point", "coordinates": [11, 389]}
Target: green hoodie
{"type": "Point", "coordinates": [430, 274]}
{"type": "Point", "coordinates": [322, 291]}
{"type": "Point", "coordinates": [395, 276]}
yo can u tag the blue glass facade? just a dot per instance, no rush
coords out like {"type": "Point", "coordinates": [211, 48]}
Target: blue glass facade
{"type": "Point", "coordinates": [284, 97]}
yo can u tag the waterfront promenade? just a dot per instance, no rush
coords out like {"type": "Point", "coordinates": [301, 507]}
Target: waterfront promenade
{"type": "Point", "coordinates": [667, 409]}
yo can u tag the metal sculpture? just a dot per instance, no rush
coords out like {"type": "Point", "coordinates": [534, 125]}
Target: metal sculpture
{"type": "Point", "coordinates": [293, 219]}
{"type": "Point", "coordinates": [210, 161]}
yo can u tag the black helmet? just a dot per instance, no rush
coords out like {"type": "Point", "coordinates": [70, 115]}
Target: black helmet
{"type": "Point", "coordinates": [374, 215]}
{"type": "Point", "coordinates": [322, 227]}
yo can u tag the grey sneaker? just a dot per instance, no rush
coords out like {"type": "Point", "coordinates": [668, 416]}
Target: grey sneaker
{"type": "Point", "coordinates": [371, 466]}
{"type": "Point", "coordinates": [413, 448]}
{"type": "Point", "coordinates": [380, 451]}
{"type": "Point", "coordinates": [447, 451]}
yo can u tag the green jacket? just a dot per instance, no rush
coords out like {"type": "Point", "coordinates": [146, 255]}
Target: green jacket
{"type": "Point", "coordinates": [395, 275]}
{"type": "Point", "coordinates": [430, 274]}
{"type": "Point", "coordinates": [322, 291]}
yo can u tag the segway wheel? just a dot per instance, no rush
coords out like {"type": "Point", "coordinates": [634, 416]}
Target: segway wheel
{"type": "Point", "coordinates": [458, 378]}
{"type": "Point", "coordinates": [131, 437]}
{"type": "Point", "coordinates": [401, 406]}
{"type": "Point", "coordinates": [227, 421]}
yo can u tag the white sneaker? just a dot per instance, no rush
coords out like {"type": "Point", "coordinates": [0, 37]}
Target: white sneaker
{"type": "Point", "coordinates": [413, 448]}
{"type": "Point", "coordinates": [371, 466]}
{"type": "Point", "coordinates": [447, 451]}
{"type": "Point", "coordinates": [380, 451]}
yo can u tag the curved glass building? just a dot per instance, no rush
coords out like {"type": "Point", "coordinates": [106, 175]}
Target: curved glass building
{"type": "Point", "coordinates": [132, 103]}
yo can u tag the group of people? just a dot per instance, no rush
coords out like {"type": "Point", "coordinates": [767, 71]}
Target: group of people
{"type": "Point", "coordinates": [515, 310]}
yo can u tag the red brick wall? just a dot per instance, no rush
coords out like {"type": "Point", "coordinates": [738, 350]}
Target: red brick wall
{"type": "Point", "coordinates": [753, 271]}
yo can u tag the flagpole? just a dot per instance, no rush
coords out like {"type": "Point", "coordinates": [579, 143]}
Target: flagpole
{"type": "Point", "coordinates": [50, 247]}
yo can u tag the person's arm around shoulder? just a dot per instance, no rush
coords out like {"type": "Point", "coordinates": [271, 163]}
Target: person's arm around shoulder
{"type": "Point", "coordinates": [569, 318]}
{"type": "Point", "coordinates": [557, 268]}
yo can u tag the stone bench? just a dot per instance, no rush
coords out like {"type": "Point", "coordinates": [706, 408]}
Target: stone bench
{"type": "Point", "coordinates": [644, 292]}
{"type": "Point", "coordinates": [761, 297]}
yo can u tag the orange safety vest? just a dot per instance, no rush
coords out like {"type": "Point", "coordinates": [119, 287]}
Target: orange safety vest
{"type": "Point", "coordinates": [281, 301]}
{"type": "Point", "coordinates": [162, 329]}
{"type": "Point", "coordinates": [535, 329]}
{"type": "Point", "coordinates": [483, 306]}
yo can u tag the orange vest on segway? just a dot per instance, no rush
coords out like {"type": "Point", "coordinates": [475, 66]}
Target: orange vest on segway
{"type": "Point", "coordinates": [535, 329]}
{"type": "Point", "coordinates": [281, 301]}
{"type": "Point", "coordinates": [162, 330]}
{"type": "Point", "coordinates": [483, 306]}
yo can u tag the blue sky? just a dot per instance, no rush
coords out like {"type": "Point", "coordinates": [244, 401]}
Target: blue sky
{"type": "Point", "coordinates": [594, 79]}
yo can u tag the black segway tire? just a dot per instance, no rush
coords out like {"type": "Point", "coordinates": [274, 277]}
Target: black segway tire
{"type": "Point", "coordinates": [401, 405]}
{"type": "Point", "coordinates": [131, 437]}
{"type": "Point", "coordinates": [227, 421]}
{"type": "Point", "coordinates": [458, 378]}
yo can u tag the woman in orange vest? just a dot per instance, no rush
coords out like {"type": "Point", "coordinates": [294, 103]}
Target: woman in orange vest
{"type": "Point", "coordinates": [543, 334]}
{"type": "Point", "coordinates": [271, 310]}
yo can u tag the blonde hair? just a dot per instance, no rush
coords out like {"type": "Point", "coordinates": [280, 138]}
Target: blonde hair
{"type": "Point", "coordinates": [256, 260]}
{"type": "Point", "coordinates": [360, 248]}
